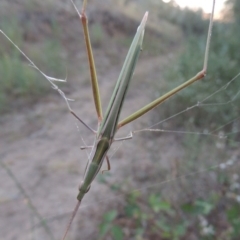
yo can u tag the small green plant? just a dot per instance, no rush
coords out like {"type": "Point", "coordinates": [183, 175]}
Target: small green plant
{"type": "Point", "coordinates": [155, 216]}
{"type": "Point", "coordinates": [20, 83]}
{"type": "Point", "coordinates": [107, 227]}
{"type": "Point", "coordinates": [151, 217]}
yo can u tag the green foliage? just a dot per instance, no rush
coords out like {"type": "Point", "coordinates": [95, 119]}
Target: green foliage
{"type": "Point", "coordinates": [224, 62]}
{"type": "Point", "coordinates": [20, 82]}
{"type": "Point", "coordinates": [198, 207]}
{"type": "Point", "coordinates": [191, 22]}
{"type": "Point", "coordinates": [234, 8]}
{"type": "Point", "coordinates": [97, 34]}
{"type": "Point", "coordinates": [107, 227]}
{"type": "Point", "coordinates": [233, 215]}
{"type": "Point", "coordinates": [17, 81]}
{"type": "Point", "coordinates": [154, 216]}
{"type": "Point", "coordinates": [144, 217]}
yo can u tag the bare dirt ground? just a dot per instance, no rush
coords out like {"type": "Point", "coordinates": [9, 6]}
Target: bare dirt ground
{"type": "Point", "coordinates": [41, 146]}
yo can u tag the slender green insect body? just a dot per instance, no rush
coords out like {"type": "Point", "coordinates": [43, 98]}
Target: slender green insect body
{"type": "Point", "coordinates": [108, 127]}
{"type": "Point", "coordinates": [109, 124]}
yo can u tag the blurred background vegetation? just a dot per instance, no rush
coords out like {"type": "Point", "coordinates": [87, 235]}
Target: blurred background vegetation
{"type": "Point", "coordinates": [223, 65]}
{"type": "Point", "coordinates": [193, 211]}
{"type": "Point", "coordinates": [185, 213]}
{"type": "Point", "coordinates": [21, 84]}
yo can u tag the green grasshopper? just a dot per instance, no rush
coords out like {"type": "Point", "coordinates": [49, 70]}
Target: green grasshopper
{"type": "Point", "coordinates": [109, 124]}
